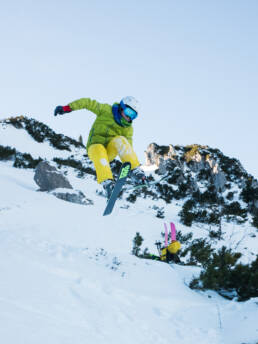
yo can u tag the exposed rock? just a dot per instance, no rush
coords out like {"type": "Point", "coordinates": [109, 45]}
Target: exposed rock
{"type": "Point", "coordinates": [166, 165]}
{"type": "Point", "coordinates": [218, 177]}
{"type": "Point", "coordinates": [49, 178]}
{"type": "Point", "coordinates": [161, 156]}
{"type": "Point", "coordinates": [197, 163]}
{"type": "Point", "coordinates": [213, 164]}
{"type": "Point", "coordinates": [193, 155]}
{"type": "Point", "coordinates": [219, 180]}
{"type": "Point", "coordinates": [73, 196]}
{"type": "Point", "coordinates": [196, 157]}
{"type": "Point", "coordinates": [156, 155]}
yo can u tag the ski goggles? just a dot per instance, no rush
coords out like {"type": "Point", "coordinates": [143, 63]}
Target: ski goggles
{"type": "Point", "coordinates": [129, 112]}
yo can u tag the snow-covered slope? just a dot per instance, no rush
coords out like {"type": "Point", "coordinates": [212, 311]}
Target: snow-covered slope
{"type": "Point", "coordinates": [67, 274]}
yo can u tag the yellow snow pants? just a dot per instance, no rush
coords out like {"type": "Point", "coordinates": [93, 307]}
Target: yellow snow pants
{"type": "Point", "coordinates": [101, 156]}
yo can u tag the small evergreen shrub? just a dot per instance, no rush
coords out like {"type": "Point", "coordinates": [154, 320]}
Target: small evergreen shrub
{"type": "Point", "coordinates": [166, 192]}
{"type": "Point", "coordinates": [215, 234]}
{"type": "Point", "coordinates": [25, 161]}
{"type": "Point", "coordinates": [6, 153]}
{"type": "Point", "coordinates": [230, 196]}
{"type": "Point", "coordinates": [186, 214]}
{"type": "Point", "coordinates": [183, 239]}
{"type": "Point", "coordinates": [209, 196]}
{"type": "Point", "coordinates": [234, 212]}
{"type": "Point", "coordinates": [137, 243]}
{"type": "Point", "coordinates": [58, 142]}
{"type": "Point", "coordinates": [136, 251]}
{"type": "Point", "coordinates": [81, 140]}
{"type": "Point", "coordinates": [204, 174]}
{"type": "Point", "coordinates": [245, 280]}
{"type": "Point", "coordinates": [200, 252]}
{"type": "Point", "coordinates": [21, 160]}
{"type": "Point", "coordinates": [41, 132]}
{"type": "Point", "coordinates": [249, 192]}
{"type": "Point", "coordinates": [175, 175]}
{"type": "Point", "coordinates": [255, 220]}
{"type": "Point", "coordinates": [132, 197]}
{"type": "Point", "coordinates": [191, 212]}
{"type": "Point", "coordinates": [160, 213]}
{"type": "Point", "coordinates": [234, 208]}
{"type": "Point", "coordinates": [224, 275]}
{"type": "Point", "coordinates": [182, 191]}
{"type": "Point", "coordinates": [143, 192]}
{"type": "Point", "coordinates": [214, 217]}
{"type": "Point", "coordinates": [231, 167]}
{"type": "Point", "coordinates": [76, 164]}
{"type": "Point", "coordinates": [16, 121]}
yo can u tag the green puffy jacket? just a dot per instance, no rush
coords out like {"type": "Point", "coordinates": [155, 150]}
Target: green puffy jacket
{"type": "Point", "coordinates": [105, 127]}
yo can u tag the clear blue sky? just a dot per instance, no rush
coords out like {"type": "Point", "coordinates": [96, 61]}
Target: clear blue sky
{"type": "Point", "coordinates": [193, 65]}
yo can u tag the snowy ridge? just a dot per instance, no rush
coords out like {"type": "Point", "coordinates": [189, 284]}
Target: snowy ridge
{"type": "Point", "coordinates": [67, 275]}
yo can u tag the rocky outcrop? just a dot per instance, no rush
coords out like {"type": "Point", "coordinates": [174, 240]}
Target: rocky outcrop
{"type": "Point", "coordinates": [74, 196]}
{"type": "Point", "coordinates": [161, 156]}
{"type": "Point", "coordinates": [49, 178]}
{"type": "Point", "coordinates": [195, 157]}
{"type": "Point", "coordinates": [219, 181]}
{"type": "Point", "coordinates": [156, 155]}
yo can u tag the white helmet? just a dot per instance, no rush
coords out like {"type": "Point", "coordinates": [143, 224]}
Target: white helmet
{"type": "Point", "coordinates": [131, 102]}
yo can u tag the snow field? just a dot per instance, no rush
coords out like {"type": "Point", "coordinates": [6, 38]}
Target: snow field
{"type": "Point", "coordinates": [67, 276]}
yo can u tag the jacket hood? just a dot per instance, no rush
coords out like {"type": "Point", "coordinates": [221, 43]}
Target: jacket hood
{"type": "Point", "coordinates": [118, 117]}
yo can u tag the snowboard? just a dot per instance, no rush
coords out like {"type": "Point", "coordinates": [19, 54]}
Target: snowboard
{"type": "Point", "coordinates": [122, 176]}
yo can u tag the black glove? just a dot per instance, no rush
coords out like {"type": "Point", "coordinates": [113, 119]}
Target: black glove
{"type": "Point", "coordinates": [61, 110]}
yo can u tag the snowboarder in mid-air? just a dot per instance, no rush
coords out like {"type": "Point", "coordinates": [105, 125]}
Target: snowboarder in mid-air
{"type": "Point", "coordinates": [110, 136]}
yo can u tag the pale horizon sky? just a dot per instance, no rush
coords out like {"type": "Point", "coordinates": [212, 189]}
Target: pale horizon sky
{"type": "Point", "coordinates": [193, 65]}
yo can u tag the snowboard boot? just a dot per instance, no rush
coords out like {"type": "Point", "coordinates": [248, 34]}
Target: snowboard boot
{"type": "Point", "coordinates": [108, 186]}
{"type": "Point", "coordinates": [137, 176]}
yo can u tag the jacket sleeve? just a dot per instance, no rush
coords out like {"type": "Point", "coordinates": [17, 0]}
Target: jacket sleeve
{"type": "Point", "coordinates": [87, 103]}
